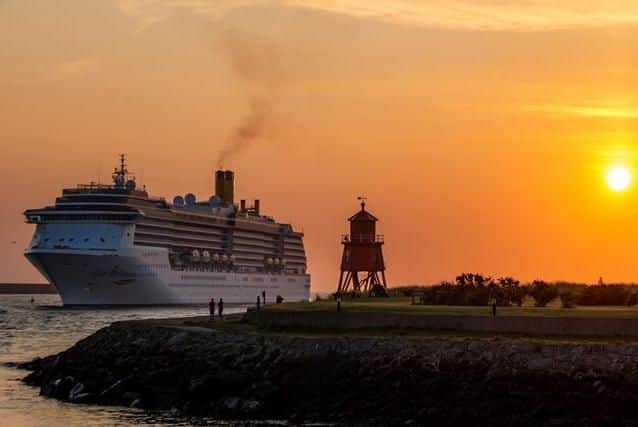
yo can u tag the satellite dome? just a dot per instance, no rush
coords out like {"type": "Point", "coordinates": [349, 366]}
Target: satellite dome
{"type": "Point", "coordinates": [178, 201]}
{"type": "Point", "coordinates": [190, 199]}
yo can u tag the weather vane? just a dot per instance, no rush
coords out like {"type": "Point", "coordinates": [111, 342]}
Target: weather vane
{"type": "Point", "coordinates": [362, 199]}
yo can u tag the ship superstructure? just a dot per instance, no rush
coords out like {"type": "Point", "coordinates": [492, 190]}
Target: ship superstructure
{"type": "Point", "coordinates": [115, 244]}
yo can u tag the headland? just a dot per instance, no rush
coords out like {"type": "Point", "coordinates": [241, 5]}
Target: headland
{"type": "Point", "coordinates": [246, 368]}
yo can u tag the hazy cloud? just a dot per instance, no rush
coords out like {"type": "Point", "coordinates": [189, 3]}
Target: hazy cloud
{"type": "Point", "coordinates": [490, 15]}
{"type": "Point", "coordinates": [149, 12]}
{"type": "Point", "coordinates": [613, 110]}
{"type": "Point", "coordinates": [78, 66]}
{"type": "Point", "coordinates": [493, 15]}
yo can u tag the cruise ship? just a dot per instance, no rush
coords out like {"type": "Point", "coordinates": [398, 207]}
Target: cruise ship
{"type": "Point", "coordinates": [116, 245]}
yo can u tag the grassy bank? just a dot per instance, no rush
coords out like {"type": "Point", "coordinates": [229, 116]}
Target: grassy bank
{"type": "Point", "coordinates": [403, 305]}
{"type": "Point", "coordinates": [240, 327]}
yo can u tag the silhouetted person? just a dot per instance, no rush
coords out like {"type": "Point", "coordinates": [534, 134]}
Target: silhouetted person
{"type": "Point", "coordinates": [279, 299]}
{"type": "Point", "coordinates": [258, 302]}
{"type": "Point", "coordinates": [263, 296]}
{"type": "Point", "coordinates": [220, 309]}
{"type": "Point", "coordinates": [493, 307]}
{"type": "Point", "coordinates": [211, 308]}
{"type": "Point", "coordinates": [339, 303]}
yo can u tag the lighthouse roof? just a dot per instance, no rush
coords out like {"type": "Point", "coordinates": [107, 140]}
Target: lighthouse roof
{"type": "Point", "coordinates": [362, 215]}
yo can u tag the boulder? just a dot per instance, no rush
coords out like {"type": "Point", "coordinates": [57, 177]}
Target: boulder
{"type": "Point", "coordinates": [250, 406]}
{"type": "Point", "coordinates": [82, 398]}
{"type": "Point", "coordinates": [58, 388]}
{"type": "Point", "coordinates": [231, 403]}
{"type": "Point", "coordinates": [75, 391]}
{"type": "Point", "coordinates": [540, 364]}
{"type": "Point", "coordinates": [130, 397]}
{"type": "Point", "coordinates": [113, 393]}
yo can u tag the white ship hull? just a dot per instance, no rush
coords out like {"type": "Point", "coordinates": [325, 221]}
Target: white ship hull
{"type": "Point", "coordinates": [143, 276]}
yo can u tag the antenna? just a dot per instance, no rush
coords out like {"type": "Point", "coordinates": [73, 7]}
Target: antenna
{"type": "Point", "coordinates": [123, 164]}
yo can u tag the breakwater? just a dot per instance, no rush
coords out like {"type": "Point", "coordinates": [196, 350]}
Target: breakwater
{"type": "Point", "coordinates": [27, 288]}
{"type": "Point", "coordinates": [363, 380]}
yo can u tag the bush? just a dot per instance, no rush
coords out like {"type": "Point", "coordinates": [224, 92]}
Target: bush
{"type": "Point", "coordinates": [542, 292]}
{"type": "Point", "coordinates": [476, 289]}
{"type": "Point", "coordinates": [566, 299]}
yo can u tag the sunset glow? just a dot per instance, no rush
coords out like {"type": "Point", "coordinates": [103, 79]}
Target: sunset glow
{"type": "Point", "coordinates": [479, 130]}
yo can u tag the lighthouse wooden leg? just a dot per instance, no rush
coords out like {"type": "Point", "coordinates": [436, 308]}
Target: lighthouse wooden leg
{"type": "Point", "coordinates": [340, 286]}
{"type": "Point", "coordinates": [345, 283]}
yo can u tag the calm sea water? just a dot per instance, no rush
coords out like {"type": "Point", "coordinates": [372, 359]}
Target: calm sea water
{"type": "Point", "coordinates": [28, 330]}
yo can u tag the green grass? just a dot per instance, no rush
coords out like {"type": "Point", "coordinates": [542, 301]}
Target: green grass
{"type": "Point", "coordinates": [412, 334]}
{"type": "Point", "coordinates": [403, 305]}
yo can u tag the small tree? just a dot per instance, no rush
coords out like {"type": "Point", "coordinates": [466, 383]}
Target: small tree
{"type": "Point", "coordinates": [473, 280]}
{"type": "Point", "coordinates": [512, 292]}
{"type": "Point", "coordinates": [542, 292]}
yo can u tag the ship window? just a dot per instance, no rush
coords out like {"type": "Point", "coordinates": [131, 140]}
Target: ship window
{"type": "Point", "coordinates": [71, 239]}
{"type": "Point", "coordinates": [86, 239]}
{"type": "Point", "coordinates": [102, 239]}
{"type": "Point", "coordinates": [61, 239]}
{"type": "Point", "coordinates": [46, 240]}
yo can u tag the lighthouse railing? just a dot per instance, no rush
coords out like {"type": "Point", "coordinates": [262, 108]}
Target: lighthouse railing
{"type": "Point", "coordinates": [362, 238]}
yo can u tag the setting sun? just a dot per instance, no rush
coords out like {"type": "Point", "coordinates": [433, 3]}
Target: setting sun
{"type": "Point", "coordinates": [618, 178]}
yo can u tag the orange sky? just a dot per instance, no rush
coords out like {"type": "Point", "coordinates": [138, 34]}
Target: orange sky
{"type": "Point", "coordinates": [479, 131]}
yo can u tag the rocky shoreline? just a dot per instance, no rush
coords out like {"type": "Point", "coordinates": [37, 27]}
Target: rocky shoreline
{"type": "Point", "coordinates": [345, 379]}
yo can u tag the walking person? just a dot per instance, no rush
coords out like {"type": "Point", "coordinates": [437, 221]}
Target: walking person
{"type": "Point", "coordinates": [263, 296]}
{"type": "Point", "coordinates": [220, 309]}
{"type": "Point", "coordinates": [211, 308]}
{"type": "Point", "coordinates": [493, 307]}
{"type": "Point", "coordinates": [258, 302]}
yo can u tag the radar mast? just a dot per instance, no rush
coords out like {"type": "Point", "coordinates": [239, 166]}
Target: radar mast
{"type": "Point", "coordinates": [120, 176]}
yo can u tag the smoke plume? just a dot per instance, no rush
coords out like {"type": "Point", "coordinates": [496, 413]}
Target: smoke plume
{"type": "Point", "coordinates": [249, 129]}
{"type": "Point", "coordinates": [258, 65]}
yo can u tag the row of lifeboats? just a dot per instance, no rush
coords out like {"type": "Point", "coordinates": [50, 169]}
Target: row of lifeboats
{"type": "Point", "coordinates": [275, 261]}
{"type": "Point", "coordinates": [206, 257]}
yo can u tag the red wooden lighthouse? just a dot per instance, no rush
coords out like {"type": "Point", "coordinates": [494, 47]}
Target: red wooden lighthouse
{"type": "Point", "coordinates": [362, 259]}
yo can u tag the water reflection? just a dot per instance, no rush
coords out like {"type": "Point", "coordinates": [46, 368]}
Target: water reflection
{"type": "Point", "coordinates": [29, 330]}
